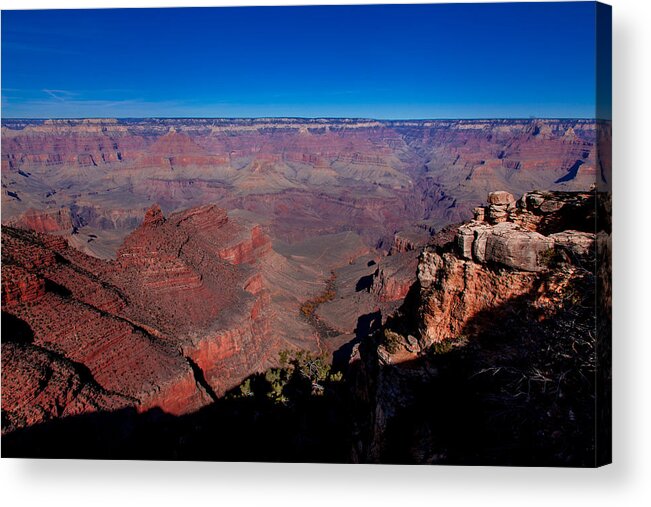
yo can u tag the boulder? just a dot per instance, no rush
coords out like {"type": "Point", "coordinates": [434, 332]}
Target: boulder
{"type": "Point", "coordinates": [501, 198]}
{"type": "Point", "coordinates": [517, 248]}
{"type": "Point", "coordinates": [580, 245]}
{"type": "Point", "coordinates": [497, 213]}
{"type": "Point", "coordinates": [479, 243]}
{"type": "Point", "coordinates": [532, 200]}
{"type": "Point", "coordinates": [464, 239]}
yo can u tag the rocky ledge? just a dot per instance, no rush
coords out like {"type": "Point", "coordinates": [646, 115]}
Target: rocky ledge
{"type": "Point", "coordinates": [506, 232]}
{"type": "Point", "coordinates": [492, 356]}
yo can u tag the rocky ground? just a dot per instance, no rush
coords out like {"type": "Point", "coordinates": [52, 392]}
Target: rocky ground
{"type": "Point", "coordinates": [497, 354]}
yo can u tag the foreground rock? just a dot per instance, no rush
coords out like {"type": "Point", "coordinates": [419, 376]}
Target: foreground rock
{"type": "Point", "coordinates": [492, 357]}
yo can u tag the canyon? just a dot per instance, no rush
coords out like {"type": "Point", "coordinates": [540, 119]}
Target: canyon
{"type": "Point", "coordinates": [150, 267]}
{"type": "Point", "coordinates": [299, 178]}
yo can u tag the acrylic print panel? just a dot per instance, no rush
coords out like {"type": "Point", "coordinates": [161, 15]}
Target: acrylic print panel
{"type": "Point", "coordinates": [347, 234]}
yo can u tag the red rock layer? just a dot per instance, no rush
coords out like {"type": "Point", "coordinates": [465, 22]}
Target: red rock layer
{"type": "Point", "coordinates": [191, 279]}
{"type": "Point", "coordinates": [45, 221]}
{"type": "Point", "coordinates": [80, 316]}
{"type": "Point", "coordinates": [183, 293]}
{"type": "Point", "coordinates": [307, 177]}
{"type": "Point", "coordinates": [38, 384]}
{"type": "Point", "coordinates": [20, 286]}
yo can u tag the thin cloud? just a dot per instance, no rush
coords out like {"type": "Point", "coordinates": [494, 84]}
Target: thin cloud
{"type": "Point", "coordinates": [58, 105]}
{"type": "Point", "coordinates": [60, 95]}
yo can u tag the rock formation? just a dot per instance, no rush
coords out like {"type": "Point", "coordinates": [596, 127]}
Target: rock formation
{"type": "Point", "coordinates": [179, 316]}
{"type": "Point", "coordinates": [113, 302]}
{"type": "Point", "coordinates": [305, 177]}
{"type": "Point", "coordinates": [495, 261]}
{"type": "Point", "coordinates": [499, 303]}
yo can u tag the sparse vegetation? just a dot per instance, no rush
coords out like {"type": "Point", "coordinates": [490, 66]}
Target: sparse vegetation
{"type": "Point", "coordinates": [445, 346]}
{"type": "Point", "coordinates": [308, 308]}
{"type": "Point", "coordinates": [300, 375]}
{"type": "Point", "coordinates": [392, 341]}
{"type": "Point", "coordinates": [547, 257]}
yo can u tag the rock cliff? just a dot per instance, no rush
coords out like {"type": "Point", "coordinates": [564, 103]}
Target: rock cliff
{"type": "Point", "coordinates": [492, 357]}
{"type": "Point", "coordinates": [178, 317]}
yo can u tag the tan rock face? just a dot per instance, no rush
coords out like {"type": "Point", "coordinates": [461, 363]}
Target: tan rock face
{"type": "Point", "coordinates": [552, 212]}
{"type": "Point", "coordinates": [501, 198]}
{"type": "Point", "coordinates": [467, 236]}
{"type": "Point", "coordinates": [454, 291]}
{"type": "Point", "coordinates": [509, 245]}
{"type": "Point", "coordinates": [505, 244]}
{"type": "Point", "coordinates": [500, 205]}
{"type": "Point", "coordinates": [494, 262]}
{"type": "Point", "coordinates": [513, 235]}
{"type": "Point", "coordinates": [579, 244]}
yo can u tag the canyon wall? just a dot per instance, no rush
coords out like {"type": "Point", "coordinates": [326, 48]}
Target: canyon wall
{"type": "Point", "coordinates": [303, 177]}
{"type": "Point", "coordinates": [180, 316]}
{"type": "Point", "coordinates": [155, 264]}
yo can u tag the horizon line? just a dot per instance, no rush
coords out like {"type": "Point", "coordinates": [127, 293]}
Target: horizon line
{"type": "Point", "coordinates": [301, 118]}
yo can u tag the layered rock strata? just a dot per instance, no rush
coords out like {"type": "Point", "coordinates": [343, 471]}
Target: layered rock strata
{"type": "Point", "coordinates": [306, 177]}
{"type": "Point", "coordinates": [179, 317]}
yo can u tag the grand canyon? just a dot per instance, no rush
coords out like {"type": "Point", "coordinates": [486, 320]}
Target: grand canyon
{"type": "Point", "coordinates": [343, 290]}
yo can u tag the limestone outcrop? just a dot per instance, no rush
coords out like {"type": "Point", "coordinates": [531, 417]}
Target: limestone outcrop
{"type": "Point", "coordinates": [493, 261]}
{"type": "Point", "coordinates": [502, 300]}
{"type": "Point", "coordinates": [510, 237]}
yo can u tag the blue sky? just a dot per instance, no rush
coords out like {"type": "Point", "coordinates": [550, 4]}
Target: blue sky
{"type": "Point", "coordinates": [418, 61]}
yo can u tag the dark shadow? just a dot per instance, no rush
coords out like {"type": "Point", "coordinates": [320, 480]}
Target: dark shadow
{"type": "Point", "coordinates": [57, 288]}
{"type": "Point", "coordinates": [366, 325]}
{"type": "Point", "coordinates": [15, 330]}
{"type": "Point", "coordinates": [364, 283]}
{"type": "Point", "coordinates": [254, 428]}
{"type": "Point", "coordinates": [571, 172]}
{"type": "Point", "coordinates": [201, 379]}
{"type": "Point", "coordinates": [579, 212]}
{"type": "Point", "coordinates": [520, 392]}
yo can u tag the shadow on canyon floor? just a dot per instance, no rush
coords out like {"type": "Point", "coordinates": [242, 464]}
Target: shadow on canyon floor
{"type": "Point", "coordinates": [244, 429]}
{"type": "Point", "coordinates": [16, 330]}
{"type": "Point", "coordinates": [367, 325]}
{"type": "Point", "coordinates": [521, 392]}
